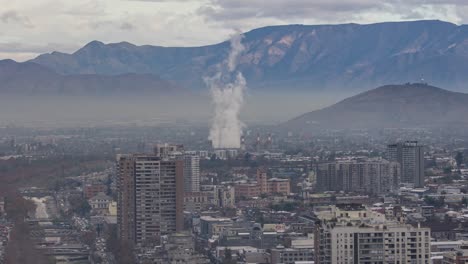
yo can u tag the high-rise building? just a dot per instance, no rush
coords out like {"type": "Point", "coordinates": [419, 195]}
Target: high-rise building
{"type": "Point", "coordinates": [150, 198]}
{"type": "Point", "coordinates": [369, 176]}
{"type": "Point", "coordinates": [168, 150]}
{"type": "Point", "coordinates": [191, 173]}
{"type": "Point", "coordinates": [191, 163]}
{"type": "Point", "coordinates": [358, 235]}
{"type": "Point", "coordinates": [410, 155]}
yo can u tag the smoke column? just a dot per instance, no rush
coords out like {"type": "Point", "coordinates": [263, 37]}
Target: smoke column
{"type": "Point", "coordinates": [227, 91]}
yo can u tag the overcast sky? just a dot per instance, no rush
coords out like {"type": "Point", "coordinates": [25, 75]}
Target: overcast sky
{"type": "Point", "coordinates": [31, 27]}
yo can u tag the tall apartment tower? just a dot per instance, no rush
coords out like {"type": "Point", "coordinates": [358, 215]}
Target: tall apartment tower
{"type": "Point", "coordinates": [191, 163]}
{"type": "Point", "coordinates": [410, 155]}
{"type": "Point", "coordinates": [150, 198]}
{"type": "Point", "coordinates": [191, 173]}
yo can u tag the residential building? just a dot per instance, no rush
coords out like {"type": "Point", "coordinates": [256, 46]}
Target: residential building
{"type": "Point", "coordinates": [455, 257]}
{"type": "Point", "coordinates": [282, 255]}
{"type": "Point", "coordinates": [410, 156]}
{"type": "Point", "coordinates": [246, 190]}
{"type": "Point", "coordinates": [225, 196]}
{"type": "Point", "coordinates": [2, 206]}
{"type": "Point", "coordinates": [100, 204]}
{"type": "Point", "coordinates": [214, 226]}
{"type": "Point", "coordinates": [168, 150]}
{"type": "Point", "coordinates": [196, 201]}
{"type": "Point", "coordinates": [191, 173]}
{"type": "Point", "coordinates": [359, 235]}
{"type": "Point", "coordinates": [366, 176]}
{"type": "Point", "coordinates": [150, 198]}
{"type": "Point", "coordinates": [263, 185]}
{"type": "Point", "coordinates": [279, 186]}
{"type": "Point", "coordinates": [91, 190]}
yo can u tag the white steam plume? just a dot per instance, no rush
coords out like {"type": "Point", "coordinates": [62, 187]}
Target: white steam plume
{"type": "Point", "coordinates": [227, 91]}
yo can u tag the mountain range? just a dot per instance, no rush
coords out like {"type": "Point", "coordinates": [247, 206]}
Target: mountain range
{"type": "Point", "coordinates": [390, 106]}
{"type": "Point", "coordinates": [295, 57]}
{"type": "Point", "coordinates": [30, 78]}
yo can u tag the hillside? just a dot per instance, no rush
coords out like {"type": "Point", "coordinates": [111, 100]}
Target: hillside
{"type": "Point", "coordinates": [390, 106]}
{"type": "Point", "coordinates": [297, 57]}
{"type": "Point", "coordinates": [33, 79]}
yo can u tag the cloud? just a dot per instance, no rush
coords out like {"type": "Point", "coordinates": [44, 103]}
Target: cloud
{"type": "Point", "coordinates": [127, 26]}
{"type": "Point", "coordinates": [328, 11]}
{"type": "Point", "coordinates": [226, 9]}
{"type": "Point", "coordinates": [72, 23]}
{"type": "Point", "coordinates": [17, 47]}
{"type": "Point", "coordinates": [14, 17]}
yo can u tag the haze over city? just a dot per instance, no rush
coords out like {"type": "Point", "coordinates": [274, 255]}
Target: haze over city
{"type": "Point", "coordinates": [216, 131]}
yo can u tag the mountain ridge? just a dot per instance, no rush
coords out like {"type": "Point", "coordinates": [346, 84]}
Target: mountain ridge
{"type": "Point", "coordinates": [310, 57]}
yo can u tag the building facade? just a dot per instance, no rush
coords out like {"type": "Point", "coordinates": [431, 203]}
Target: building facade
{"type": "Point", "coordinates": [369, 176]}
{"type": "Point", "coordinates": [357, 235]}
{"type": "Point", "coordinates": [150, 198]}
{"type": "Point", "coordinates": [410, 156]}
{"type": "Point", "coordinates": [191, 173]}
{"type": "Point", "coordinates": [263, 185]}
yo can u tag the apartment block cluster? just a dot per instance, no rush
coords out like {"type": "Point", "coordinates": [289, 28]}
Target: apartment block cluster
{"type": "Point", "coordinates": [404, 164]}
{"type": "Point", "coordinates": [376, 212]}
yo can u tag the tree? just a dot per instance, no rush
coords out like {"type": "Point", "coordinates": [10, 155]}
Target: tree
{"type": "Point", "coordinates": [79, 205]}
{"type": "Point", "coordinates": [448, 170]}
{"type": "Point", "coordinates": [459, 159]}
{"type": "Point", "coordinates": [435, 202]}
{"type": "Point", "coordinates": [228, 257]}
{"type": "Point", "coordinates": [464, 201]}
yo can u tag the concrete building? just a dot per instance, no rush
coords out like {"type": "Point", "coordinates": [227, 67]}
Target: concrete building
{"type": "Point", "coordinates": [196, 201]}
{"type": "Point", "coordinates": [246, 190]}
{"type": "Point", "coordinates": [225, 196]}
{"type": "Point", "coordinates": [282, 255]}
{"type": "Point", "coordinates": [168, 150]}
{"type": "Point", "coordinates": [214, 226]}
{"type": "Point", "coordinates": [191, 163]}
{"type": "Point", "coordinates": [150, 198]}
{"type": "Point", "coordinates": [2, 206]}
{"type": "Point", "coordinates": [455, 257]}
{"type": "Point", "coordinates": [358, 235]}
{"type": "Point", "coordinates": [367, 176]}
{"type": "Point", "coordinates": [100, 204]}
{"type": "Point", "coordinates": [263, 185]}
{"type": "Point", "coordinates": [191, 173]}
{"type": "Point", "coordinates": [91, 190]}
{"type": "Point", "coordinates": [279, 186]}
{"type": "Point", "coordinates": [410, 156]}
{"type": "Point", "coordinates": [180, 248]}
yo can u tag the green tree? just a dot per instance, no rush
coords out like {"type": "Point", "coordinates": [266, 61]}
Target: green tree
{"type": "Point", "coordinates": [79, 205]}
{"type": "Point", "coordinates": [464, 201]}
{"type": "Point", "coordinates": [228, 257]}
{"type": "Point", "coordinates": [459, 159]}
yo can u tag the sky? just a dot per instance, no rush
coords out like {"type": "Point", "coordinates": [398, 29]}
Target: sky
{"type": "Point", "coordinates": [31, 27]}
